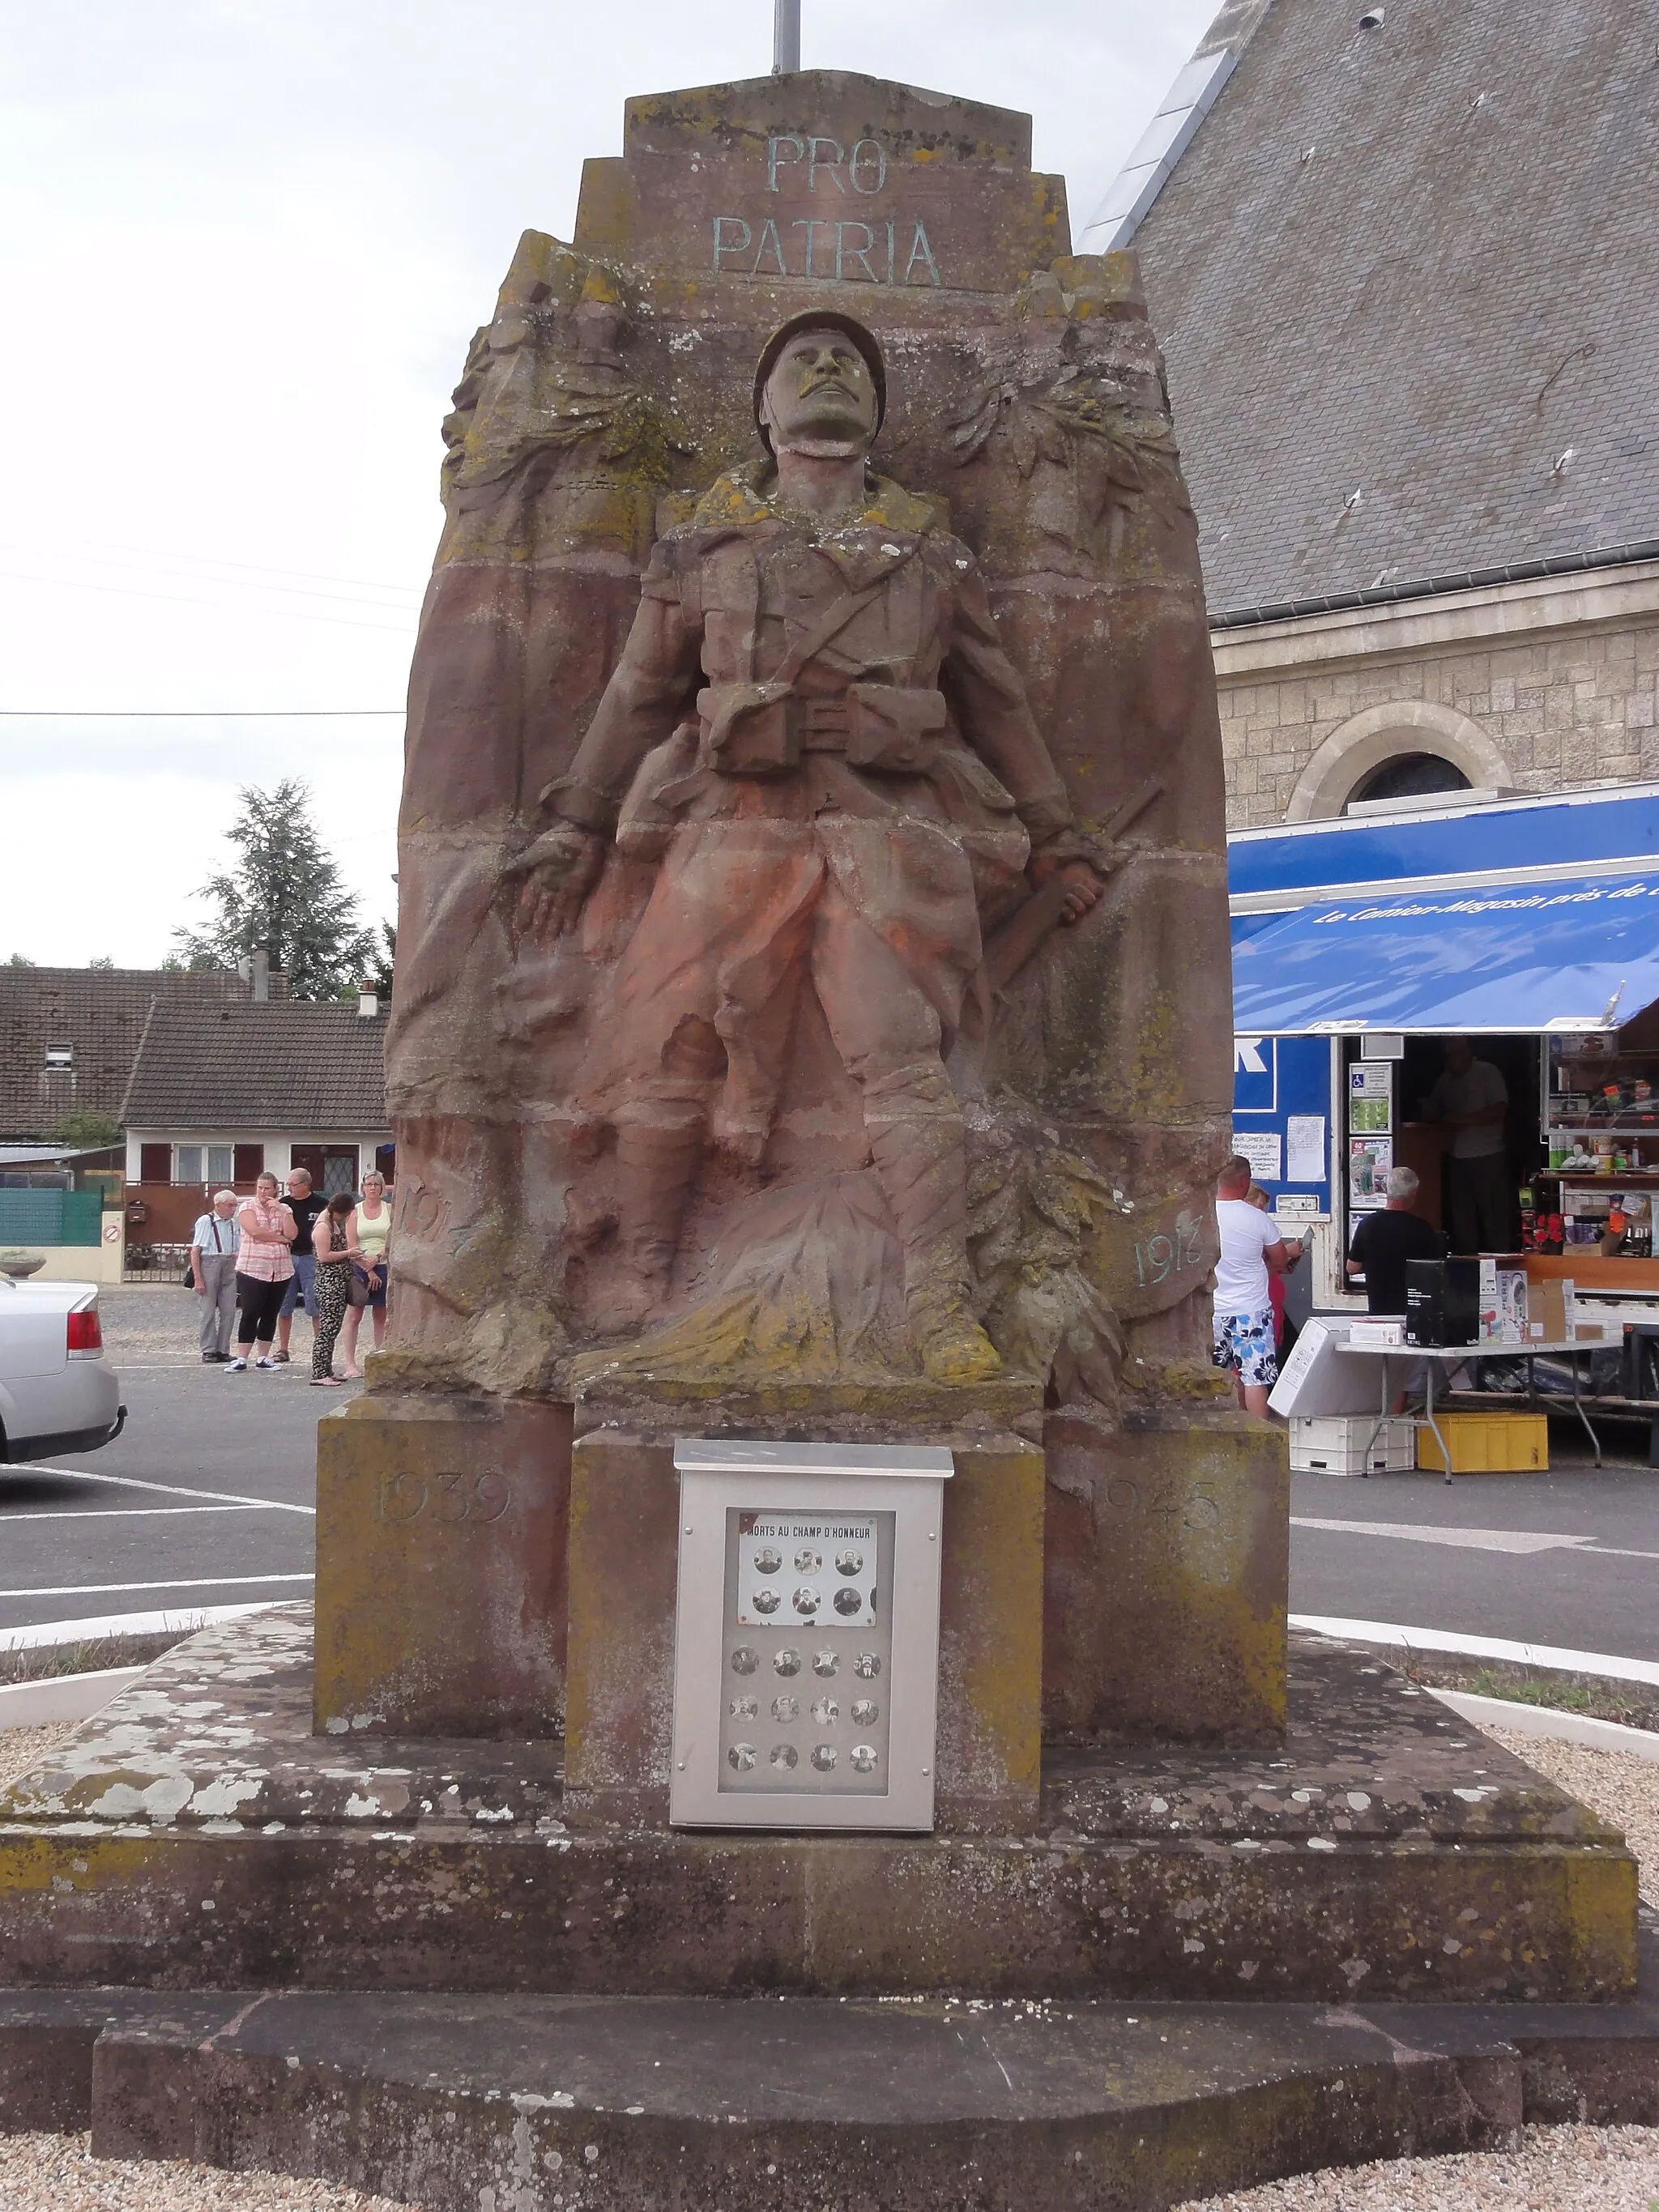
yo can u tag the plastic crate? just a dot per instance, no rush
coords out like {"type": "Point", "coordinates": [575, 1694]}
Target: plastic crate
{"type": "Point", "coordinates": [1336, 1443]}
{"type": "Point", "coordinates": [1488, 1443]}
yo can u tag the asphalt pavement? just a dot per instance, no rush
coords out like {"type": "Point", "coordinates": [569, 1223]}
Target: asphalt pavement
{"type": "Point", "coordinates": [207, 1500]}
{"type": "Point", "coordinates": [207, 1497]}
{"type": "Point", "coordinates": [1569, 1557]}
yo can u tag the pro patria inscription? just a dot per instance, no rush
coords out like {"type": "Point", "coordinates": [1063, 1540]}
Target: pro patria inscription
{"type": "Point", "coordinates": [849, 248]}
{"type": "Point", "coordinates": [877, 185]}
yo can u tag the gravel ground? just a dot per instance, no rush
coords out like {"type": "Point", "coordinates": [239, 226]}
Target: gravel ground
{"type": "Point", "coordinates": [20, 1747]}
{"type": "Point", "coordinates": [1554, 2170]}
{"type": "Point", "coordinates": [1619, 1787]}
{"type": "Point", "coordinates": [58, 2174]}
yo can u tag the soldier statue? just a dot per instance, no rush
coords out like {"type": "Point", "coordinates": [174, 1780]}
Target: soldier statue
{"type": "Point", "coordinates": [815, 732]}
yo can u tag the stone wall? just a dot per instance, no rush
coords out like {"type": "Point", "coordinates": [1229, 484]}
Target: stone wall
{"type": "Point", "coordinates": [1537, 688]}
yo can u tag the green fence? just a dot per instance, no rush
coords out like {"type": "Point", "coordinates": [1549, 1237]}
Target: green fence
{"type": "Point", "coordinates": [50, 1217]}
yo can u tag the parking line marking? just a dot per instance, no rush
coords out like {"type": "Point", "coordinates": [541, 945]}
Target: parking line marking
{"type": "Point", "coordinates": [120, 1513]}
{"type": "Point", "coordinates": [1473, 1539]}
{"type": "Point", "coordinates": [204, 1582]}
{"type": "Point", "coordinates": [167, 1489]}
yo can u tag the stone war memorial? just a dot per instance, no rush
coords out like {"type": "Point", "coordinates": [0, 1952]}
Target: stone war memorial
{"type": "Point", "coordinates": [798, 1709]}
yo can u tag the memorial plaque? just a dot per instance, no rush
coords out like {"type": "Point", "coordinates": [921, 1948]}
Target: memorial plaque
{"type": "Point", "coordinates": [806, 1647]}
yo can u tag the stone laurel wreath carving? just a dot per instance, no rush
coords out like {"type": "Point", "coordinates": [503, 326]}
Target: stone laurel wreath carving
{"type": "Point", "coordinates": [538, 383]}
{"type": "Point", "coordinates": [1033, 1210]}
{"type": "Point", "coordinates": [1068, 400]}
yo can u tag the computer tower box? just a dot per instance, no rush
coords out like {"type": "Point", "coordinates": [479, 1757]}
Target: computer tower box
{"type": "Point", "coordinates": [1442, 1301]}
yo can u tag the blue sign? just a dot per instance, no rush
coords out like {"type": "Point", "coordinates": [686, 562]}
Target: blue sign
{"type": "Point", "coordinates": [1256, 1075]}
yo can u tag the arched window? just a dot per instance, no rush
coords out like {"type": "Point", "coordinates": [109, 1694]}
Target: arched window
{"type": "Point", "coordinates": [1393, 750]}
{"type": "Point", "coordinates": [1408, 775]}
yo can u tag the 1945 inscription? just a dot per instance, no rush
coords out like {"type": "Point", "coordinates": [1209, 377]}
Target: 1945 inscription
{"type": "Point", "coordinates": [895, 251]}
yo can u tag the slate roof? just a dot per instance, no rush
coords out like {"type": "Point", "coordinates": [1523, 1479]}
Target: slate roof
{"type": "Point", "coordinates": [100, 1013]}
{"type": "Point", "coordinates": [274, 1064]}
{"type": "Point", "coordinates": [1420, 263]}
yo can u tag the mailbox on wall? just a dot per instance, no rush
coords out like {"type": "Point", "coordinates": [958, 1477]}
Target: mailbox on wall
{"type": "Point", "coordinates": [806, 1636]}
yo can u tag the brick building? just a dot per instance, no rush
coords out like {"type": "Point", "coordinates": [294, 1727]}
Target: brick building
{"type": "Point", "coordinates": [1402, 261]}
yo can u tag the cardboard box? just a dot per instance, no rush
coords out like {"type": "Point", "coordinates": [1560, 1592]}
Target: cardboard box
{"type": "Point", "coordinates": [1546, 1312]}
{"type": "Point", "coordinates": [1503, 1296]}
{"type": "Point", "coordinates": [1380, 1335]}
{"type": "Point", "coordinates": [1319, 1378]}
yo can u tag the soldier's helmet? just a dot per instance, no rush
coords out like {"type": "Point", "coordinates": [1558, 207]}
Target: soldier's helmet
{"type": "Point", "coordinates": [820, 319]}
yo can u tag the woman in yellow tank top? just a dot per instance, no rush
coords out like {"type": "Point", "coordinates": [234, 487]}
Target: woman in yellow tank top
{"type": "Point", "coordinates": [371, 1233]}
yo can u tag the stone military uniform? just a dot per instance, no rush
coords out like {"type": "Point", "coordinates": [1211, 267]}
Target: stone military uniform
{"type": "Point", "coordinates": [816, 731]}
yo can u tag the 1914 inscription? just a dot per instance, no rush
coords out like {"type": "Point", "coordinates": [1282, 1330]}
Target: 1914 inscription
{"type": "Point", "coordinates": [844, 248]}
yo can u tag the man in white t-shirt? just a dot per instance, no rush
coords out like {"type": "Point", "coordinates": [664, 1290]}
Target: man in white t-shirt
{"type": "Point", "coordinates": [1250, 1246]}
{"type": "Point", "coordinates": [1472, 1099]}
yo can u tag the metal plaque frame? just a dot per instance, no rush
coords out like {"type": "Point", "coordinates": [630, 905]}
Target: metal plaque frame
{"type": "Point", "coordinates": [900, 1489]}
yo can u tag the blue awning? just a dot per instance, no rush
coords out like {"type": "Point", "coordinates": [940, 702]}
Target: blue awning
{"type": "Point", "coordinates": [1566, 954]}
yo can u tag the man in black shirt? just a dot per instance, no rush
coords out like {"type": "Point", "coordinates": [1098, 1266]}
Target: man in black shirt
{"type": "Point", "coordinates": [1384, 1241]}
{"type": "Point", "coordinates": [305, 1204]}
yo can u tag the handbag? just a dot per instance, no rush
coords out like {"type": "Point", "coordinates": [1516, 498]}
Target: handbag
{"type": "Point", "coordinates": [359, 1289]}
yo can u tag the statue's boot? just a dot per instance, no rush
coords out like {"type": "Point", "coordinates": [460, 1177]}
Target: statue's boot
{"type": "Point", "coordinates": [655, 1166]}
{"type": "Point", "coordinates": [924, 1178]}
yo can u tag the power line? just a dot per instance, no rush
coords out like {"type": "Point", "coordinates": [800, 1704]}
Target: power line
{"type": "Point", "coordinates": [219, 606]}
{"type": "Point", "coordinates": [191, 713]}
{"type": "Point", "coordinates": [213, 561]}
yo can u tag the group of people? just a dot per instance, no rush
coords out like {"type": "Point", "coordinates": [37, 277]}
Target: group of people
{"type": "Point", "coordinates": [1255, 1257]}
{"type": "Point", "coordinates": [263, 1257]}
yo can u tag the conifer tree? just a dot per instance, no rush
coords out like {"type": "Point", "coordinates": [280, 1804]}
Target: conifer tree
{"type": "Point", "coordinates": [284, 893]}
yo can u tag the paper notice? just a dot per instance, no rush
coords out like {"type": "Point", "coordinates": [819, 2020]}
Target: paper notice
{"type": "Point", "coordinates": [1262, 1151]}
{"type": "Point", "coordinates": [1304, 1148]}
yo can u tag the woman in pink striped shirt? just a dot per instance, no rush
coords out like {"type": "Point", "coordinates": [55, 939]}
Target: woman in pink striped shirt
{"type": "Point", "coordinates": [264, 1265]}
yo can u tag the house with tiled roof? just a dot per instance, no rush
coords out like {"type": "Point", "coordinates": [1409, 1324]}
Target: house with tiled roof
{"type": "Point", "coordinates": [1402, 260]}
{"type": "Point", "coordinates": [218, 1093]}
{"type": "Point", "coordinates": [69, 1036]}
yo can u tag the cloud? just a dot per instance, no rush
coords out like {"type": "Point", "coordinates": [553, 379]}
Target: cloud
{"type": "Point", "coordinates": [243, 249]}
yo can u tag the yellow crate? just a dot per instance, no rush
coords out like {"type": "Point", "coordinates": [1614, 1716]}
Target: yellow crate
{"type": "Point", "coordinates": [1488, 1443]}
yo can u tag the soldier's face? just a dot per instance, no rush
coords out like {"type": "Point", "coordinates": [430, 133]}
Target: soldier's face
{"type": "Point", "coordinates": [820, 387]}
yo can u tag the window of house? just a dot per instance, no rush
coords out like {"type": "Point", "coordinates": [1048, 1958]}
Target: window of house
{"type": "Point", "coordinates": [60, 1055]}
{"type": "Point", "coordinates": [220, 1164]}
{"type": "Point", "coordinates": [187, 1164]}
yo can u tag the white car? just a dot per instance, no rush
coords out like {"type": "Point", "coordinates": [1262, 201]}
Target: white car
{"type": "Point", "coordinates": [57, 1392]}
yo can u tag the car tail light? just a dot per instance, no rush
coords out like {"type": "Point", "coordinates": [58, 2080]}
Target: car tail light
{"type": "Point", "coordinates": [85, 1331]}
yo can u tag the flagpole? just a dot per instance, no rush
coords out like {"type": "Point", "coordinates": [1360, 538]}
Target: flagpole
{"type": "Point", "coordinates": [785, 38]}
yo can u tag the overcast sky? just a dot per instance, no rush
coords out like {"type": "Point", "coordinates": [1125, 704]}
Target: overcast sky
{"type": "Point", "coordinates": [243, 245]}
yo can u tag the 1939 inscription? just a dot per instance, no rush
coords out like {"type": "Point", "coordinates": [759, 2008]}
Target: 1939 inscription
{"type": "Point", "coordinates": [449, 1496]}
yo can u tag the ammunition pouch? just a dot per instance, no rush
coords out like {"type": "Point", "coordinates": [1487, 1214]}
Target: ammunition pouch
{"type": "Point", "coordinates": [894, 732]}
{"type": "Point", "coordinates": [761, 729]}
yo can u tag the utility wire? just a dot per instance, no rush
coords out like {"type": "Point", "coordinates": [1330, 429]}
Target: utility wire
{"type": "Point", "coordinates": [213, 561]}
{"type": "Point", "coordinates": [219, 606]}
{"type": "Point", "coordinates": [191, 713]}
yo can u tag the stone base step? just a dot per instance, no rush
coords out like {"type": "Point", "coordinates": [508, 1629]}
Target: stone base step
{"type": "Point", "coordinates": [195, 1834]}
{"type": "Point", "coordinates": [526, 2104]}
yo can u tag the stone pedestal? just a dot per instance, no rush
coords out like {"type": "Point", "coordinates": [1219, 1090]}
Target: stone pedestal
{"type": "Point", "coordinates": [623, 1522]}
{"type": "Point", "coordinates": [1167, 1579]}
{"type": "Point", "coordinates": [440, 1567]}
{"type": "Point", "coordinates": [197, 1835]}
